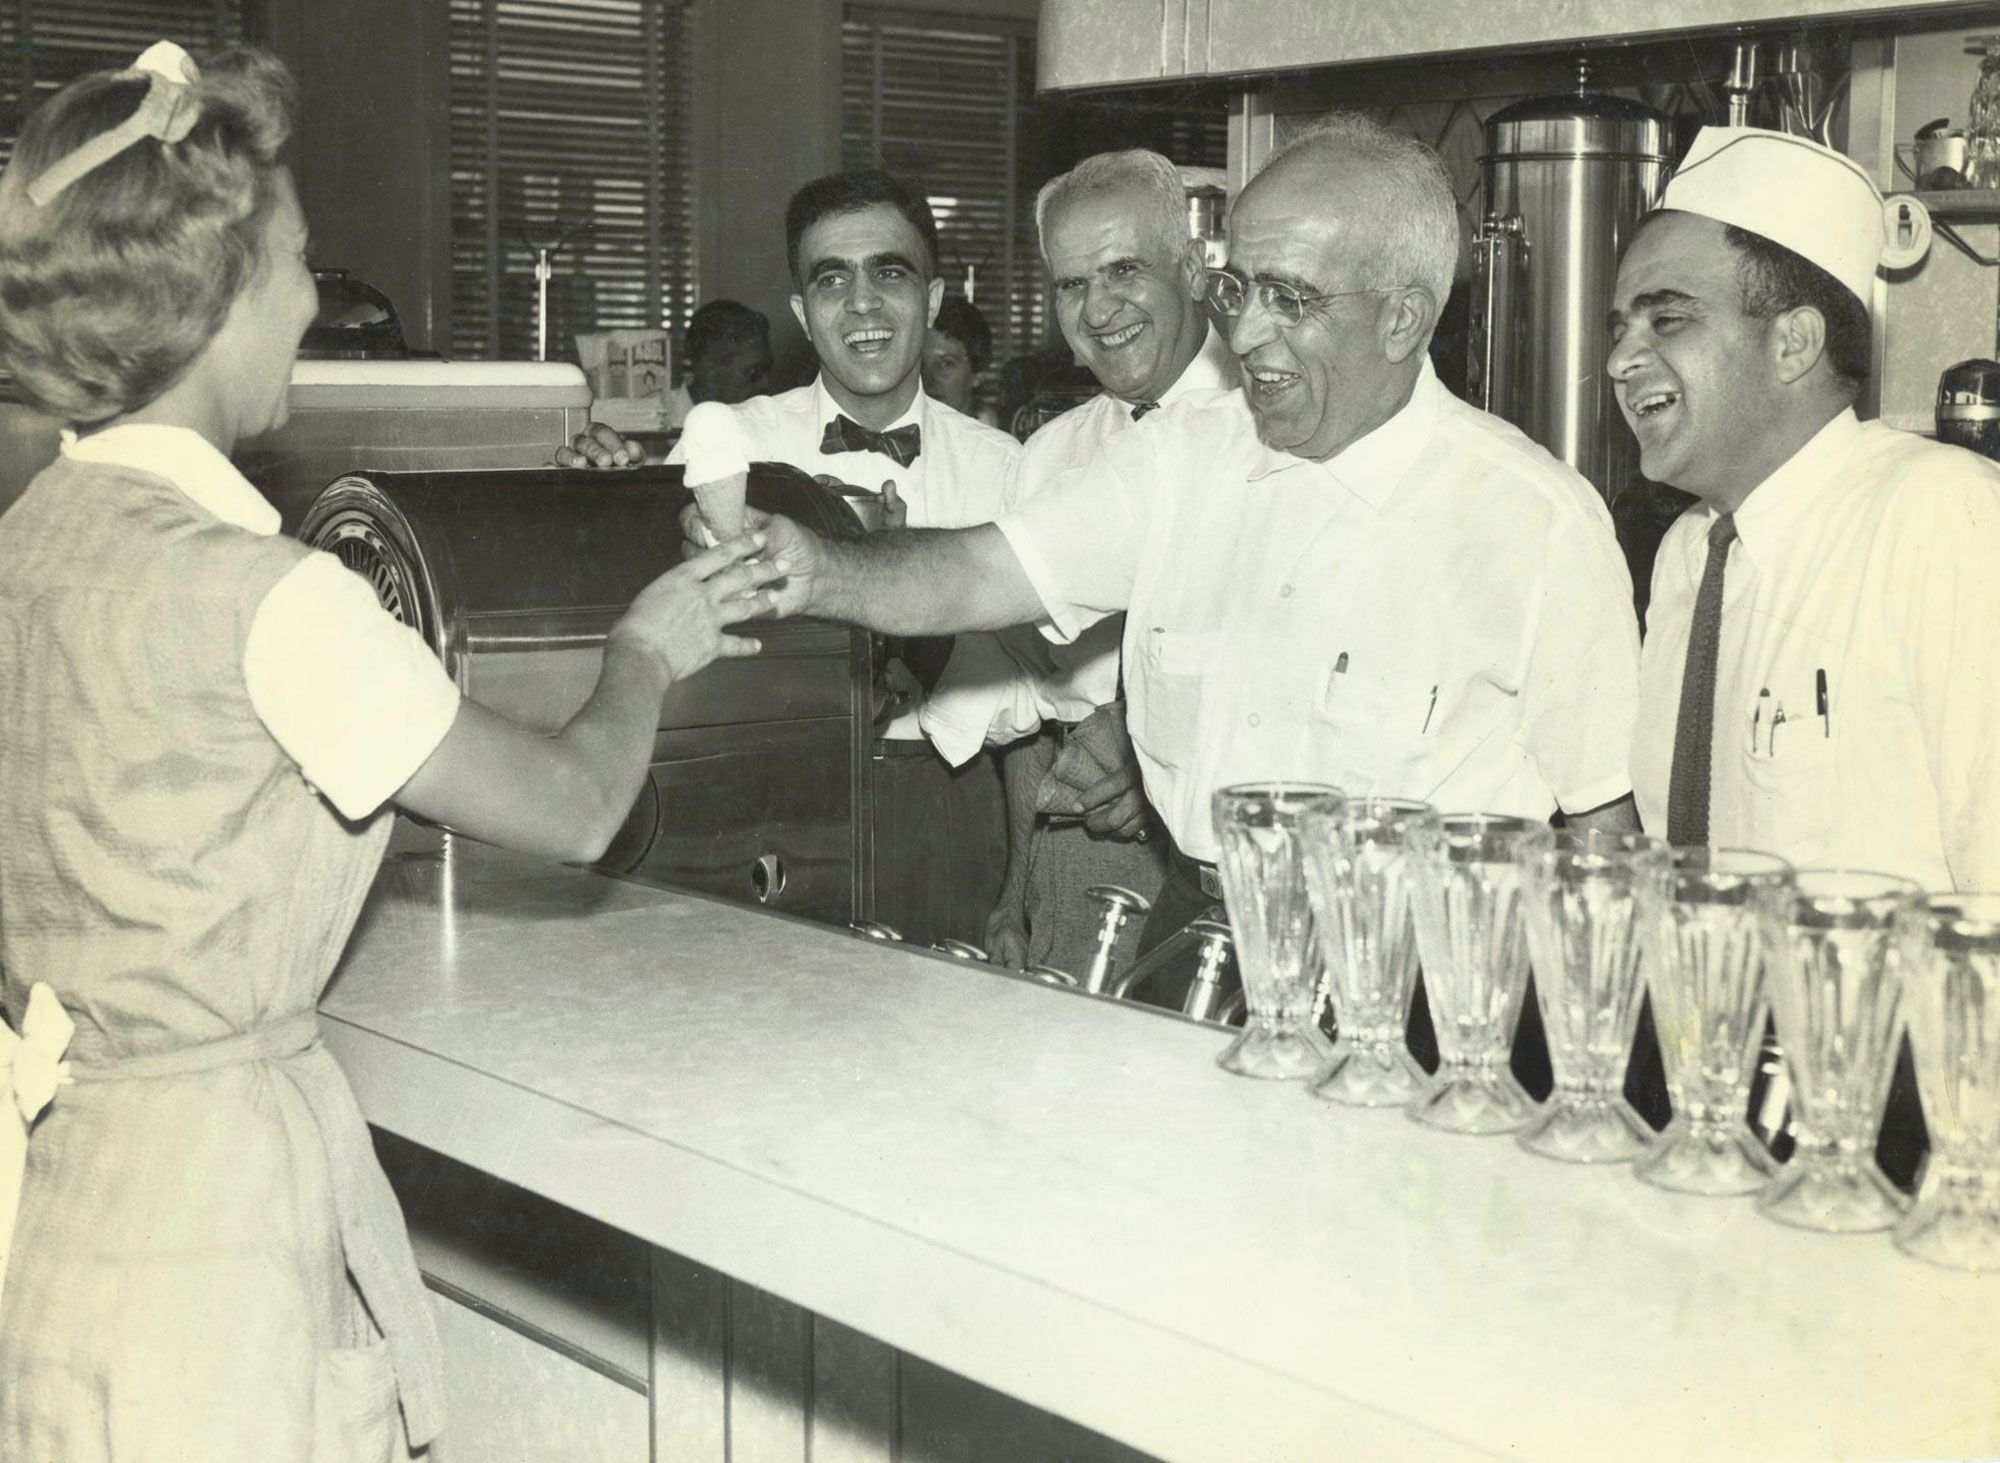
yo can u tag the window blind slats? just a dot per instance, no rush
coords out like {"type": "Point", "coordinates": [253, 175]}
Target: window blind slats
{"type": "Point", "coordinates": [46, 44]}
{"type": "Point", "coordinates": [569, 116]}
{"type": "Point", "coordinates": [937, 106]}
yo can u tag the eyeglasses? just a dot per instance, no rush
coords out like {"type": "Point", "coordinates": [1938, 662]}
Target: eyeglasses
{"type": "Point", "coordinates": [1230, 292]}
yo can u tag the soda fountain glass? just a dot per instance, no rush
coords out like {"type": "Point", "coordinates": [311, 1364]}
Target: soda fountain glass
{"type": "Point", "coordinates": [1263, 866]}
{"type": "Point", "coordinates": [1704, 964]}
{"type": "Point", "coordinates": [1951, 995]}
{"type": "Point", "coordinates": [1475, 962]}
{"type": "Point", "coordinates": [1360, 854]}
{"type": "Point", "coordinates": [1589, 896]}
{"type": "Point", "coordinates": [1836, 997]}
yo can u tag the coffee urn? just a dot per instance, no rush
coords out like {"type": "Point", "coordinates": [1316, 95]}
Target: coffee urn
{"type": "Point", "coordinates": [1567, 180]}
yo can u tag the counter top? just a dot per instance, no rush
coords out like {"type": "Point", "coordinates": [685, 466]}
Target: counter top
{"type": "Point", "coordinates": [1067, 1200]}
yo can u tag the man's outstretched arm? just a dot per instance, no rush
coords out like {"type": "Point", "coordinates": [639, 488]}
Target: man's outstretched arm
{"type": "Point", "coordinates": [922, 581]}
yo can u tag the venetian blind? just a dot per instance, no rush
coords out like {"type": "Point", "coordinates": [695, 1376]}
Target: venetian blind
{"type": "Point", "coordinates": [941, 102]}
{"type": "Point", "coordinates": [569, 118]}
{"type": "Point", "coordinates": [46, 44]}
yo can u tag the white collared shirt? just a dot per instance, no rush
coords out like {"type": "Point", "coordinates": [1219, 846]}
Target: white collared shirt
{"type": "Point", "coordinates": [960, 478]}
{"type": "Point", "coordinates": [1003, 686]}
{"type": "Point", "coordinates": [1441, 611]}
{"type": "Point", "coordinates": [354, 697]}
{"type": "Point", "coordinates": [1871, 557]}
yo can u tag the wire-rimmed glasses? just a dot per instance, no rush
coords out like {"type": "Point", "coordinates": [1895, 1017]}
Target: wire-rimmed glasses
{"type": "Point", "coordinates": [1229, 292]}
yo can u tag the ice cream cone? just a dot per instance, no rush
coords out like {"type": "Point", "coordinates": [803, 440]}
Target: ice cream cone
{"type": "Point", "coordinates": [722, 503]}
{"type": "Point", "coordinates": [718, 466]}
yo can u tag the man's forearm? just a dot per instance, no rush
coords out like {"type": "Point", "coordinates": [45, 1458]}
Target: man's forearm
{"type": "Point", "coordinates": [925, 581]}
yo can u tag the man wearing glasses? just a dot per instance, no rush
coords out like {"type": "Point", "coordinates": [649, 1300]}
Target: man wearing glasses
{"type": "Point", "coordinates": [1340, 573]}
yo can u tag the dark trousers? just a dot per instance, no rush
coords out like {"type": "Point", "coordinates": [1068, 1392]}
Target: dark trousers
{"type": "Point", "coordinates": [939, 842]}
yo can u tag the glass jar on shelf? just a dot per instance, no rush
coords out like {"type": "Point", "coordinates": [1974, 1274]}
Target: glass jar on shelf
{"type": "Point", "coordinates": [1982, 132]}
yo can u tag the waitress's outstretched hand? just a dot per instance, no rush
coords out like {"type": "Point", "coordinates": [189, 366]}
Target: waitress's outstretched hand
{"type": "Point", "coordinates": [679, 617]}
{"type": "Point", "coordinates": [795, 550]}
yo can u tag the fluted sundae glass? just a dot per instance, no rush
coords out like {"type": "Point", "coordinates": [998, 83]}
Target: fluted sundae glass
{"type": "Point", "coordinates": [1705, 968]}
{"type": "Point", "coordinates": [1589, 898]}
{"type": "Point", "coordinates": [1361, 855]}
{"type": "Point", "coordinates": [1263, 866]}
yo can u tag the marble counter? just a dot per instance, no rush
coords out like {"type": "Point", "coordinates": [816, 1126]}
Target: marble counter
{"type": "Point", "coordinates": [1067, 1201]}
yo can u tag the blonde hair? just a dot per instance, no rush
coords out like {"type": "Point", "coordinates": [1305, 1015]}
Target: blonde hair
{"type": "Point", "coordinates": [110, 291]}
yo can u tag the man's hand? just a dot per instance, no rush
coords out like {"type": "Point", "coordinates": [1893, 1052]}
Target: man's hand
{"type": "Point", "coordinates": [600, 447]}
{"type": "Point", "coordinates": [794, 551]}
{"type": "Point", "coordinates": [895, 512]}
{"type": "Point", "coordinates": [1114, 804]}
{"type": "Point", "coordinates": [679, 616]}
{"type": "Point", "coordinates": [1007, 934]}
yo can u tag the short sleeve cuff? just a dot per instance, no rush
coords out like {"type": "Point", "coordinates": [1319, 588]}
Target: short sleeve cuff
{"type": "Point", "coordinates": [352, 695]}
{"type": "Point", "coordinates": [1595, 795]}
{"type": "Point", "coordinates": [1065, 621]}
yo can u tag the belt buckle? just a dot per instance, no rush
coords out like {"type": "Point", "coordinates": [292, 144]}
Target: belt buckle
{"type": "Point", "coordinates": [1210, 879]}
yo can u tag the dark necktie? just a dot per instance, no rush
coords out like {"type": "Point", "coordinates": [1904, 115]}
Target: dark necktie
{"type": "Point", "coordinates": [900, 446]}
{"type": "Point", "coordinates": [1140, 408]}
{"type": "Point", "coordinates": [1694, 728]}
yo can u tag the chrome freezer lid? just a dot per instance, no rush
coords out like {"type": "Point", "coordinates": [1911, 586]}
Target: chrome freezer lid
{"type": "Point", "coordinates": [1578, 125]}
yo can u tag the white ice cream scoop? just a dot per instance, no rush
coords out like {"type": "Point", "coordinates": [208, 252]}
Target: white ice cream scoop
{"type": "Point", "coordinates": [718, 466]}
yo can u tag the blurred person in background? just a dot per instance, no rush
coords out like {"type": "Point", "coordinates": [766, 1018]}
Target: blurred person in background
{"type": "Point", "coordinates": [728, 353]}
{"type": "Point", "coordinates": [957, 351]}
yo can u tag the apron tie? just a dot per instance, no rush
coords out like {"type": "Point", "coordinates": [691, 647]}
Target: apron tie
{"type": "Point", "coordinates": [376, 1246]}
{"type": "Point", "coordinates": [31, 1069]}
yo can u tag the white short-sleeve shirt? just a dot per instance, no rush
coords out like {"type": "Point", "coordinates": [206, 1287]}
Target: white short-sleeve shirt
{"type": "Point", "coordinates": [1870, 561]}
{"type": "Point", "coordinates": [999, 687]}
{"type": "Point", "coordinates": [355, 697]}
{"type": "Point", "coordinates": [1441, 611]}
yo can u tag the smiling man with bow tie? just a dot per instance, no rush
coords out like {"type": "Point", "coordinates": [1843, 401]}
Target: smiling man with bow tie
{"type": "Point", "coordinates": [862, 247]}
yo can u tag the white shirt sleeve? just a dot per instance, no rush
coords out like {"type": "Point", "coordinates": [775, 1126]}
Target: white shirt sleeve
{"type": "Point", "coordinates": [1079, 539]}
{"type": "Point", "coordinates": [1581, 687]}
{"type": "Point", "coordinates": [355, 697]}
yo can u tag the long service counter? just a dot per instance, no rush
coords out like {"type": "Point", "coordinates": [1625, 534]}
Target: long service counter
{"type": "Point", "coordinates": [849, 1169]}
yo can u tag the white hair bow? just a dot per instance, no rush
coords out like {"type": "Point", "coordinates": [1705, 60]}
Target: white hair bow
{"type": "Point", "coordinates": [167, 112]}
{"type": "Point", "coordinates": [31, 1069]}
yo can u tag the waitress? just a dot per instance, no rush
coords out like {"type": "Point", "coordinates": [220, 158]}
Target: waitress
{"type": "Point", "coordinates": [202, 725]}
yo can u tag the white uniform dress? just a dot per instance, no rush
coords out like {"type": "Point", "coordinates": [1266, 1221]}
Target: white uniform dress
{"type": "Point", "coordinates": [1440, 611]}
{"type": "Point", "coordinates": [200, 722]}
{"type": "Point", "coordinates": [1872, 559]}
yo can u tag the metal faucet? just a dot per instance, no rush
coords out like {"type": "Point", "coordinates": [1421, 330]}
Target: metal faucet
{"type": "Point", "coordinates": [868, 929]}
{"type": "Point", "coordinates": [960, 950]}
{"type": "Point", "coordinates": [1206, 999]}
{"type": "Point", "coordinates": [1119, 906]}
{"type": "Point", "coordinates": [1049, 975]}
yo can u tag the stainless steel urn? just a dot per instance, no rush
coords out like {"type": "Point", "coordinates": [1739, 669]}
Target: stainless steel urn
{"type": "Point", "coordinates": [1567, 180]}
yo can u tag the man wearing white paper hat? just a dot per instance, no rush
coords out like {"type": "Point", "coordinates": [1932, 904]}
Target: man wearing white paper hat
{"type": "Point", "coordinates": [1820, 677]}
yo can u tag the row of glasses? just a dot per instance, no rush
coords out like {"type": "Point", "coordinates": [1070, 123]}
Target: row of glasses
{"type": "Point", "coordinates": [1719, 937]}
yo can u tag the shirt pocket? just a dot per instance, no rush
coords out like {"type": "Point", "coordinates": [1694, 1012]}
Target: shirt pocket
{"type": "Point", "coordinates": [1166, 721]}
{"type": "Point", "coordinates": [355, 1412]}
{"type": "Point", "coordinates": [1789, 776]}
{"type": "Point", "coordinates": [1373, 736]}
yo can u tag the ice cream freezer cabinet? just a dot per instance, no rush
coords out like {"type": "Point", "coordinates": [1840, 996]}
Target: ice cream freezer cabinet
{"type": "Point", "coordinates": [759, 780]}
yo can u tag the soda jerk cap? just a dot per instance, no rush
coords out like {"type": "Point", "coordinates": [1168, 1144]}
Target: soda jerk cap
{"type": "Point", "coordinates": [1811, 199]}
